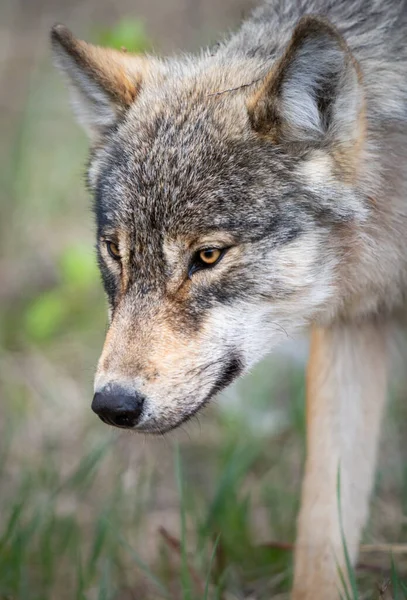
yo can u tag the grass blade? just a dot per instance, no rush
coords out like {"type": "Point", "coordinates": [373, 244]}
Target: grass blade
{"type": "Point", "coordinates": [157, 583]}
{"type": "Point", "coordinates": [185, 575]}
{"type": "Point", "coordinates": [208, 577]}
{"type": "Point", "coordinates": [395, 581]}
{"type": "Point", "coordinates": [104, 587]}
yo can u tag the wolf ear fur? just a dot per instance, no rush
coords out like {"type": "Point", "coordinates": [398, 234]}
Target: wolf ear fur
{"type": "Point", "coordinates": [314, 93]}
{"type": "Point", "coordinates": [104, 82]}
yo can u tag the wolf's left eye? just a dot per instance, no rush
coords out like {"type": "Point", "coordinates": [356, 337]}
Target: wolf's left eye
{"type": "Point", "coordinates": [113, 250]}
{"type": "Point", "coordinates": [208, 257]}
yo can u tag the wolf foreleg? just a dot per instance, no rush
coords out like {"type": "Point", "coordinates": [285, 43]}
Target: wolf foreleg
{"type": "Point", "coordinates": [346, 391]}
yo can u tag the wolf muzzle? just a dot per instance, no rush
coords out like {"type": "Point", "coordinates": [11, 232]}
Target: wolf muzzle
{"type": "Point", "coordinates": [115, 406]}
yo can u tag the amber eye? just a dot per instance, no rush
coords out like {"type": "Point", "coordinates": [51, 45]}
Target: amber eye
{"type": "Point", "coordinates": [206, 258]}
{"type": "Point", "coordinates": [210, 256]}
{"type": "Point", "coordinates": [113, 250]}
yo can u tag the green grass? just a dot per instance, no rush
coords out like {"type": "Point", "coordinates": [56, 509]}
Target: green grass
{"type": "Point", "coordinates": [91, 514]}
{"type": "Point", "coordinates": [60, 537]}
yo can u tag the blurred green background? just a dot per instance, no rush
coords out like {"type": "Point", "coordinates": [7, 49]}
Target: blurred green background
{"type": "Point", "coordinates": [87, 512]}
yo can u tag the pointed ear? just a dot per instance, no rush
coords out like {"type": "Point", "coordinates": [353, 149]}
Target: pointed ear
{"type": "Point", "coordinates": [104, 82]}
{"type": "Point", "coordinates": [314, 93]}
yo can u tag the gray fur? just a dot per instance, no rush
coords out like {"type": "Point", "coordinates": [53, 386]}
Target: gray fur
{"type": "Point", "coordinates": [284, 149]}
{"type": "Point", "coordinates": [291, 149]}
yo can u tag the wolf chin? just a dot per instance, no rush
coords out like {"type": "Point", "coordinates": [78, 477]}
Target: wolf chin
{"type": "Point", "coordinates": [242, 194]}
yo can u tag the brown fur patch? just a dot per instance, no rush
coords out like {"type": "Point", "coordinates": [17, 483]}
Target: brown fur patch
{"type": "Point", "coordinates": [150, 346]}
{"type": "Point", "coordinates": [119, 74]}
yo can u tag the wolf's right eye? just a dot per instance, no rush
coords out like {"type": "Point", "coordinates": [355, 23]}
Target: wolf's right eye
{"type": "Point", "coordinates": [113, 250]}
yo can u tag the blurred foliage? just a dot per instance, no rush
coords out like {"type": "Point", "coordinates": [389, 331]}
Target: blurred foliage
{"type": "Point", "coordinates": [126, 34]}
{"type": "Point", "coordinates": [56, 308]}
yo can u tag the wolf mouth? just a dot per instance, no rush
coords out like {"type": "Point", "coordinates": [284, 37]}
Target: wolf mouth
{"type": "Point", "coordinates": [232, 371]}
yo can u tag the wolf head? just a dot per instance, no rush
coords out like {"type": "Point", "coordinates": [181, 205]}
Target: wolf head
{"type": "Point", "coordinates": [224, 194]}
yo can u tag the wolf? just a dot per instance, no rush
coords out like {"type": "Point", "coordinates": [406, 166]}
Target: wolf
{"type": "Point", "coordinates": [253, 190]}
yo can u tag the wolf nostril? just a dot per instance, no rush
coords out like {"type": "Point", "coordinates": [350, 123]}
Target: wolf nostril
{"type": "Point", "coordinates": [117, 407]}
{"type": "Point", "coordinates": [124, 420]}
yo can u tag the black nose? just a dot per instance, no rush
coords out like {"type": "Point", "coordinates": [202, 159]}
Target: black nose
{"type": "Point", "coordinates": [117, 407]}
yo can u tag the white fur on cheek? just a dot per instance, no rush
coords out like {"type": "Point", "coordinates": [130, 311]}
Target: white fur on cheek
{"type": "Point", "coordinates": [317, 169]}
{"type": "Point", "coordinates": [299, 268]}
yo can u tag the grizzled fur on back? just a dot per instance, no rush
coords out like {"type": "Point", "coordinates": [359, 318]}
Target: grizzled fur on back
{"type": "Point", "coordinates": [281, 150]}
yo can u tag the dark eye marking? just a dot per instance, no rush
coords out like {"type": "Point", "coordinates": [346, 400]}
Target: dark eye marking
{"type": "Point", "coordinates": [206, 259]}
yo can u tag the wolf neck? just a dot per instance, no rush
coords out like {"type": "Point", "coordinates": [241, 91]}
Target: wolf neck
{"type": "Point", "coordinates": [374, 279]}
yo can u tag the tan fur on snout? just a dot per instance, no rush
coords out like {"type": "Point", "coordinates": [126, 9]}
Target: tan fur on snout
{"type": "Point", "coordinates": [148, 353]}
{"type": "Point", "coordinates": [136, 346]}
